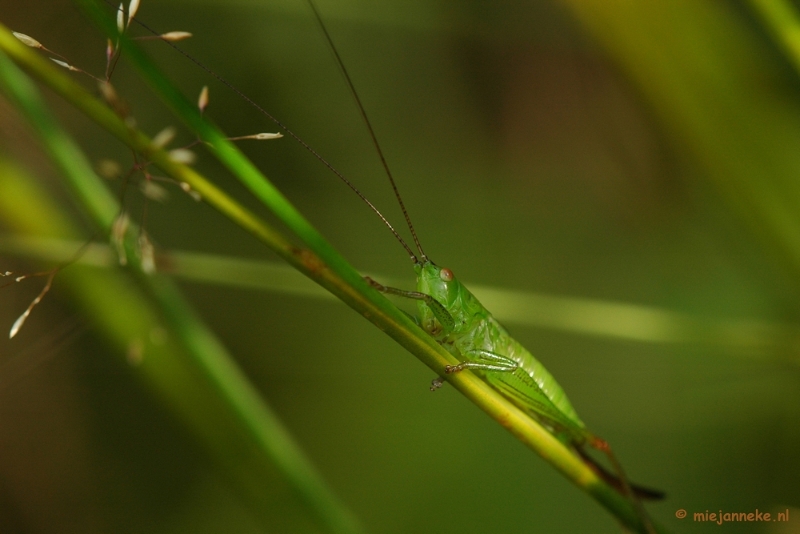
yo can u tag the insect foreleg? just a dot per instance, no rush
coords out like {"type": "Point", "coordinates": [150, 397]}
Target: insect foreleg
{"type": "Point", "coordinates": [439, 311]}
{"type": "Point", "coordinates": [483, 360]}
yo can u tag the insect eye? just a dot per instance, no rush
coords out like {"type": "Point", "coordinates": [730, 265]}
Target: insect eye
{"type": "Point", "coordinates": [446, 275]}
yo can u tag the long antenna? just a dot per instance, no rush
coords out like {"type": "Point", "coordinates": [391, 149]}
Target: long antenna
{"type": "Point", "coordinates": [305, 145]}
{"type": "Point", "coordinates": [369, 126]}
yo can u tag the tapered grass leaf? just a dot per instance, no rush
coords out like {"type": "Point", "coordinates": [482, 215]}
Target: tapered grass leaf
{"type": "Point", "coordinates": [192, 371]}
{"type": "Point", "coordinates": [319, 261]}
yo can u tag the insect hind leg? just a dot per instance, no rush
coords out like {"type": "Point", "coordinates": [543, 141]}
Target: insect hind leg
{"type": "Point", "coordinates": [603, 446]}
{"type": "Point", "coordinates": [484, 360]}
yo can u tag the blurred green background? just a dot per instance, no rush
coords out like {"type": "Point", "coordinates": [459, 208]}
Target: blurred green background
{"type": "Point", "coordinates": [600, 151]}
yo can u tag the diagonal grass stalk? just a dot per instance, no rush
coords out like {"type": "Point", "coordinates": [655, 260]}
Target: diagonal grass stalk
{"type": "Point", "coordinates": [319, 261]}
{"type": "Point", "coordinates": [192, 366]}
{"type": "Point", "coordinates": [602, 319]}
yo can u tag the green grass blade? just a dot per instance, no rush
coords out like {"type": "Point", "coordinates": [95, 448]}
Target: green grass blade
{"type": "Point", "coordinates": [702, 69]}
{"type": "Point", "coordinates": [177, 383]}
{"type": "Point", "coordinates": [603, 319]}
{"type": "Point", "coordinates": [783, 21]}
{"type": "Point", "coordinates": [320, 261]}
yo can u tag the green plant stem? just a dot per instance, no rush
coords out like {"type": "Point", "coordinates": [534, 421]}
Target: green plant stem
{"type": "Point", "coordinates": [161, 366]}
{"type": "Point", "coordinates": [320, 261]}
{"type": "Point", "coordinates": [783, 21]}
{"type": "Point", "coordinates": [589, 317]}
{"type": "Point", "coordinates": [716, 106]}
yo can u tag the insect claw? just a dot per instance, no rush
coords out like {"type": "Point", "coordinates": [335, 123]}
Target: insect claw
{"type": "Point", "coordinates": [436, 383]}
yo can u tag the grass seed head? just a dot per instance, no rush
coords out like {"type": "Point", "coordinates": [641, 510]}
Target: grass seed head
{"type": "Point", "coordinates": [108, 169]}
{"type": "Point", "coordinates": [63, 64]}
{"type": "Point", "coordinates": [182, 155]}
{"type": "Point", "coordinates": [202, 100]}
{"type": "Point", "coordinates": [147, 254]}
{"type": "Point", "coordinates": [27, 40]}
{"type": "Point", "coordinates": [121, 19]}
{"type": "Point", "coordinates": [133, 7]}
{"type": "Point", "coordinates": [164, 137]}
{"type": "Point", "coordinates": [175, 36]}
{"type": "Point", "coordinates": [154, 191]}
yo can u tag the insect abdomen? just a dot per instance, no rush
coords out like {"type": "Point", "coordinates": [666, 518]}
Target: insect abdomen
{"type": "Point", "coordinates": [531, 386]}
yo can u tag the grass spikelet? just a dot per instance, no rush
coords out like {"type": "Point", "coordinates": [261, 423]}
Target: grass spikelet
{"type": "Point", "coordinates": [133, 7]}
{"type": "Point", "coordinates": [175, 36]}
{"type": "Point", "coordinates": [202, 100]}
{"type": "Point", "coordinates": [27, 40]}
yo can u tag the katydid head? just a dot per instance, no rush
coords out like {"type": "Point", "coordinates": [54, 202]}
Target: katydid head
{"type": "Point", "coordinates": [438, 282]}
{"type": "Point", "coordinates": [432, 279]}
{"type": "Point", "coordinates": [441, 284]}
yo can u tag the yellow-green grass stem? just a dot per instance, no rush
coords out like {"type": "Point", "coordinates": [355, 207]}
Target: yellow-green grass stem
{"type": "Point", "coordinates": [193, 372]}
{"type": "Point", "coordinates": [603, 319]}
{"type": "Point", "coordinates": [319, 261]}
{"type": "Point", "coordinates": [782, 19]}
